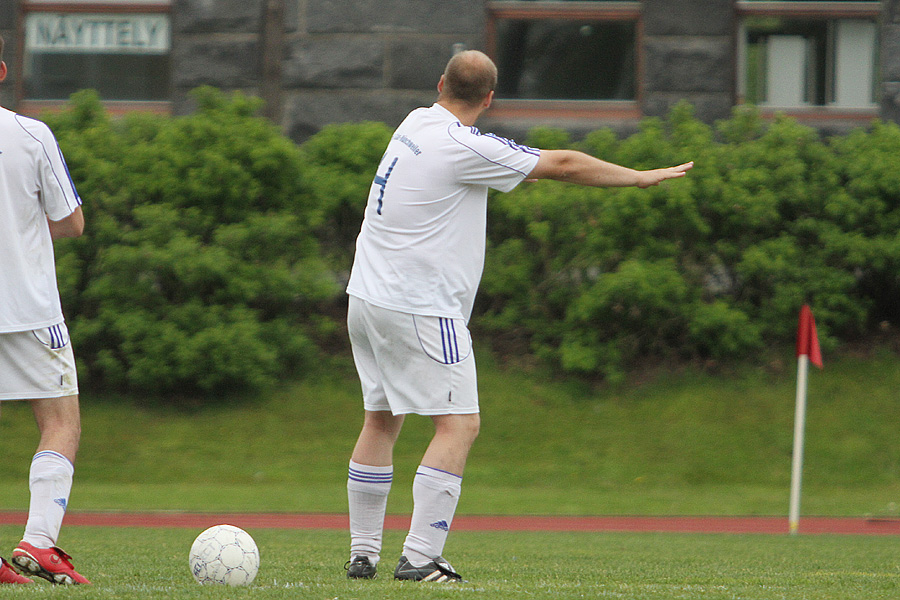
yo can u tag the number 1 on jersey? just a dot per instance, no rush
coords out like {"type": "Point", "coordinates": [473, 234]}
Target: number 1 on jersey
{"type": "Point", "coordinates": [382, 181]}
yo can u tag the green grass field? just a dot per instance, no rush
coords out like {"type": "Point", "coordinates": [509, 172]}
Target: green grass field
{"type": "Point", "coordinates": [684, 443]}
{"type": "Point", "coordinates": [152, 563]}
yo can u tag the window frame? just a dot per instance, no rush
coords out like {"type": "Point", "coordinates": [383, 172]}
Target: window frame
{"type": "Point", "coordinates": [614, 10]}
{"type": "Point", "coordinates": [116, 107]}
{"type": "Point", "coordinates": [826, 11]}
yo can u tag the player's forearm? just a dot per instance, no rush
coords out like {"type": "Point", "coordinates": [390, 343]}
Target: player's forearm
{"type": "Point", "coordinates": [582, 169]}
{"type": "Point", "coordinates": [591, 171]}
{"type": "Point", "coordinates": [576, 167]}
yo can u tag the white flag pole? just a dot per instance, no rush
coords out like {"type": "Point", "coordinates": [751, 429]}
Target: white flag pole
{"type": "Point", "coordinates": [799, 426]}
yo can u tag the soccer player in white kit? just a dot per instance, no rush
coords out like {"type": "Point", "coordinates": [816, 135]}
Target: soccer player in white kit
{"type": "Point", "coordinates": [38, 203]}
{"type": "Point", "coordinates": [419, 258]}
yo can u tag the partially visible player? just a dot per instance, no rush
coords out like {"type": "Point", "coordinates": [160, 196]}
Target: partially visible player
{"type": "Point", "coordinates": [38, 203]}
{"type": "Point", "coordinates": [419, 258]}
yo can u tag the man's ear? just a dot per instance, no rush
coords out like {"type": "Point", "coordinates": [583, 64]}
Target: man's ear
{"type": "Point", "coordinates": [2, 70]}
{"type": "Point", "coordinates": [489, 99]}
{"type": "Point", "coordinates": [440, 85]}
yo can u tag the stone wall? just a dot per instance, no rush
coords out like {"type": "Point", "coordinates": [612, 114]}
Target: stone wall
{"type": "Point", "coordinates": [7, 30]}
{"type": "Point", "coordinates": [890, 60]}
{"type": "Point", "coordinates": [689, 54]}
{"type": "Point", "coordinates": [362, 60]}
{"type": "Point", "coordinates": [378, 59]}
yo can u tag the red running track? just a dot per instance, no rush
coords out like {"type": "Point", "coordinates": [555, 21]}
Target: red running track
{"type": "Point", "coordinates": [764, 525]}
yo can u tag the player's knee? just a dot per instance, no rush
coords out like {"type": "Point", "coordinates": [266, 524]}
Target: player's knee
{"type": "Point", "coordinates": [475, 428]}
{"type": "Point", "coordinates": [465, 427]}
{"type": "Point", "coordinates": [383, 423]}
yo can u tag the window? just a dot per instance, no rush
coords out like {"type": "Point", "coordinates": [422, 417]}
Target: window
{"type": "Point", "coordinates": [565, 52]}
{"type": "Point", "coordinates": [554, 58]}
{"type": "Point", "coordinates": [809, 54]}
{"type": "Point", "coordinates": [119, 49]}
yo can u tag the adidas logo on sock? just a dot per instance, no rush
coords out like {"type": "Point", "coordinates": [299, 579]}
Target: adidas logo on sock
{"type": "Point", "coordinates": [442, 525]}
{"type": "Point", "coordinates": [62, 502]}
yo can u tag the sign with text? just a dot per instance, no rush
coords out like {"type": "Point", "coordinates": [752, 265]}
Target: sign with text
{"type": "Point", "coordinates": [106, 33]}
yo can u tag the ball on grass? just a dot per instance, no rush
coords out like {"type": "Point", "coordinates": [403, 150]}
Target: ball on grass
{"type": "Point", "coordinates": [226, 555]}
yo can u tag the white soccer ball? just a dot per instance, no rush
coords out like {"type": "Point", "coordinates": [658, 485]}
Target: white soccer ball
{"type": "Point", "coordinates": [226, 555]}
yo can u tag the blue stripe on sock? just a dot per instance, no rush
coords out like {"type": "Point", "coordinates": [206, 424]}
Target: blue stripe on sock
{"type": "Point", "coordinates": [366, 477]}
{"type": "Point", "coordinates": [420, 471]}
{"type": "Point", "coordinates": [43, 453]}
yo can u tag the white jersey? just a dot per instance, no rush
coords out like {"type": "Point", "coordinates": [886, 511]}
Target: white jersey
{"type": "Point", "coordinates": [34, 185]}
{"type": "Point", "coordinates": [421, 246]}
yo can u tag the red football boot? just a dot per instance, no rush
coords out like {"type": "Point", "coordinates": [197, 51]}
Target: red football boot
{"type": "Point", "coordinates": [51, 564]}
{"type": "Point", "coordinates": [8, 575]}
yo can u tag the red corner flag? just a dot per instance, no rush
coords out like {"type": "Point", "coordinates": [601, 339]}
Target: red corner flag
{"type": "Point", "coordinates": [807, 340]}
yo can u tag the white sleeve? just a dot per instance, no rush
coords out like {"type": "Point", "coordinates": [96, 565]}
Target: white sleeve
{"type": "Point", "coordinates": [488, 159]}
{"type": "Point", "coordinates": [58, 195]}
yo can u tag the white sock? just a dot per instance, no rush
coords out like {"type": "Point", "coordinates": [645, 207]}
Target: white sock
{"type": "Point", "coordinates": [50, 481]}
{"type": "Point", "coordinates": [367, 493]}
{"type": "Point", "coordinates": [435, 494]}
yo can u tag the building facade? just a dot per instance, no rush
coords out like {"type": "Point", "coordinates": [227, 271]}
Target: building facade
{"type": "Point", "coordinates": [579, 65]}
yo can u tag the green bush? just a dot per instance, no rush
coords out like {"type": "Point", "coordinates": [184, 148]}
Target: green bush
{"type": "Point", "coordinates": [216, 248]}
{"type": "Point", "coordinates": [637, 310]}
{"type": "Point", "coordinates": [713, 266]}
{"type": "Point", "coordinates": [199, 272]}
{"type": "Point", "coordinates": [867, 213]}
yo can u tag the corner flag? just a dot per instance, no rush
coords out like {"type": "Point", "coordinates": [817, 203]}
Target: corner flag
{"type": "Point", "coordinates": [807, 339]}
{"type": "Point", "coordinates": [807, 351]}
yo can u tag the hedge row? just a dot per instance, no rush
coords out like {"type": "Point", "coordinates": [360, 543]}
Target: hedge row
{"type": "Point", "coordinates": [200, 272]}
{"type": "Point", "coordinates": [715, 265]}
{"type": "Point", "coordinates": [217, 249]}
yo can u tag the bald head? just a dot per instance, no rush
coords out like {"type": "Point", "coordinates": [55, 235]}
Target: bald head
{"type": "Point", "coordinates": [469, 77]}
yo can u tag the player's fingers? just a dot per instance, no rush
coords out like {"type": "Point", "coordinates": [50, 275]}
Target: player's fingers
{"type": "Point", "coordinates": [661, 175]}
{"type": "Point", "coordinates": [680, 170]}
{"type": "Point", "coordinates": [671, 174]}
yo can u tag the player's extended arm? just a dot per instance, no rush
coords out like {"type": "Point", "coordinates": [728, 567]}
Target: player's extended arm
{"type": "Point", "coordinates": [577, 167]}
{"type": "Point", "coordinates": [71, 226]}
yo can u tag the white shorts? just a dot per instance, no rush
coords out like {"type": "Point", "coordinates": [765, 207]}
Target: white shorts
{"type": "Point", "coordinates": [37, 364]}
{"type": "Point", "coordinates": [410, 363]}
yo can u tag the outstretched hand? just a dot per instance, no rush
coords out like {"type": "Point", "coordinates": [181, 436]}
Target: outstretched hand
{"type": "Point", "coordinates": [657, 176]}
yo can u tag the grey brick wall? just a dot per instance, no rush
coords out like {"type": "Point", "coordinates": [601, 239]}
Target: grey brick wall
{"type": "Point", "coordinates": [890, 60]}
{"type": "Point", "coordinates": [7, 30]}
{"type": "Point", "coordinates": [425, 17]}
{"type": "Point", "coordinates": [342, 61]}
{"type": "Point", "coordinates": [359, 60]}
{"type": "Point", "coordinates": [689, 54]}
